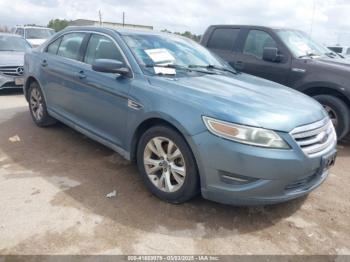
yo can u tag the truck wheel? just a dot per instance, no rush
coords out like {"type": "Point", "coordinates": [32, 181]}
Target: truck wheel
{"type": "Point", "coordinates": [338, 112]}
{"type": "Point", "coordinates": [37, 106]}
{"type": "Point", "coordinates": [167, 165]}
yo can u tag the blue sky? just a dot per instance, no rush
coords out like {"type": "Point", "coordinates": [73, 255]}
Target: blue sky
{"type": "Point", "coordinates": [331, 23]}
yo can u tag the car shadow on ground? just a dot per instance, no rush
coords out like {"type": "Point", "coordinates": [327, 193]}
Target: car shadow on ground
{"type": "Point", "coordinates": [11, 92]}
{"type": "Point", "coordinates": [61, 151]}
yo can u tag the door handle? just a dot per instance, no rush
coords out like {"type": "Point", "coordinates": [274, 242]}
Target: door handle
{"type": "Point", "coordinates": [44, 63]}
{"type": "Point", "coordinates": [81, 75]}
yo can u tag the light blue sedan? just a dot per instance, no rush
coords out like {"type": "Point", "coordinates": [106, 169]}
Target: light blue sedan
{"type": "Point", "coordinates": [191, 122]}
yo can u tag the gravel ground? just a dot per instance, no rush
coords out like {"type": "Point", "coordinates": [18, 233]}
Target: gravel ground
{"type": "Point", "coordinates": [53, 186]}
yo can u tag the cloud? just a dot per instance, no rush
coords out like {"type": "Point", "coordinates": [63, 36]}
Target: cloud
{"type": "Point", "coordinates": [329, 16]}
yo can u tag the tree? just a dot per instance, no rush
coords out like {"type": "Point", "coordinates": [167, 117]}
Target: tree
{"type": "Point", "coordinates": [187, 34]}
{"type": "Point", "coordinates": [58, 24]}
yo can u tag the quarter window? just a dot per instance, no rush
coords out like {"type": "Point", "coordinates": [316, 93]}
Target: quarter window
{"type": "Point", "coordinates": [70, 45]}
{"type": "Point", "coordinates": [53, 47]}
{"type": "Point", "coordinates": [223, 38]}
{"type": "Point", "coordinates": [101, 47]}
{"type": "Point", "coordinates": [256, 42]}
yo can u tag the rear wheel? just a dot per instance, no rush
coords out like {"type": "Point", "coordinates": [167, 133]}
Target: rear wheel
{"type": "Point", "coordinates": [167, 165]}
{"type": "Point", "coordinates": [37, 106]}
{"type": "Point", "coordinates": [338, 113]}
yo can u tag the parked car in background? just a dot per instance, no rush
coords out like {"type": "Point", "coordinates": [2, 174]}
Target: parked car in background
{"type": "Point", "coordinates": [35, 35]}
{"type": "Point", "coordinates": [342, 50]}
{"type": "Point", "coordinates": [288, 57]}
{"type": "Point", "coordinates": [12, 49]}
{"type": "Point", "coordinates": [191, 122]}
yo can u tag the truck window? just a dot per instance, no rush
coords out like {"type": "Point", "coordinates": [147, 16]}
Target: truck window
{"type": "Point", "coordinates": [256, 41]}
{"type": "Point", "coordinates": [20, 32]}
{"type": "Point", "coordinates": [348, 51]}
{"type": "Point", "coordinates": [223, 38]}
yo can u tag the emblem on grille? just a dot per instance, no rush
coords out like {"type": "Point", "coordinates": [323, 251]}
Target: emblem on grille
{"type": "Point", "coordinates": [19, 70]}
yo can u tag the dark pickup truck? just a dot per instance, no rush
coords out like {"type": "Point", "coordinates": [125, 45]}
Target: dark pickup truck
{"type": "Point", "coordinates": [288, 57]}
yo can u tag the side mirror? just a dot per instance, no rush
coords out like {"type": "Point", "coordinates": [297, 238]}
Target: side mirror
{"type": "Point", "coordinates": [111, 66]}
{"type": "Point", "coordinates": [271, 54]}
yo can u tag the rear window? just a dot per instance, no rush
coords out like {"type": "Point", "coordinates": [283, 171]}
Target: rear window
{"type": "Point", "coordinates": [223, 38]}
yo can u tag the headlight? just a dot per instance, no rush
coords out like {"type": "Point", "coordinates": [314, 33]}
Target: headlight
{"type": "Point", "coordinates": [245, 134]}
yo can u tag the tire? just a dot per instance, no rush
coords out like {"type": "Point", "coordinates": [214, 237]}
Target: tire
{"type": "Point", "coordinates": [338, 111]}
{"type": "Point", "coordinates": [170, 190]}
{"type": "Point", "coordinates": [37, 106]}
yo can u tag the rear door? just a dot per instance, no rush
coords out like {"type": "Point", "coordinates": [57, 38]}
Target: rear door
{"type": "Point", "coordinates": [60, 64]}
{"type": "Point", "coordinates": [223, 42]}
{"type": "Point", "coordinates": [101, 99]}
{"type": "Point", "coordinates": [250, 58]}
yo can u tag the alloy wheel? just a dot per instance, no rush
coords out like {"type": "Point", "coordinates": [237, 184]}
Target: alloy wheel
{"type": "Point", "coordinates": [37, 104]}
{"type": "Point", "coordinates": [164, 164]}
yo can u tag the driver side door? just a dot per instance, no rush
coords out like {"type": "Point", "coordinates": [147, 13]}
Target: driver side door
{"type": "Point", "coordinates": [250, 59]}
{"type": "Point", "coordinates": [101, 99]}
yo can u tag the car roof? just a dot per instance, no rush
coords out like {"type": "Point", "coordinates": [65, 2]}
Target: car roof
{"type": "Point", "coordinates": [9, 34]}
{"type": "Point", "coordinates": [253, 27]}
{"type": "Point", "coordinates": [120, 31]}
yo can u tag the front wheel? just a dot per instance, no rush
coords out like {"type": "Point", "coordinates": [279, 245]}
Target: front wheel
{"type": "Point", "coordinates": [167, 165]}
{"type": "Point", "coordinates": [338, 112]}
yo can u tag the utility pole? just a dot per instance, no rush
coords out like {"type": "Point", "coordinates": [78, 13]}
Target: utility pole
{"type": "Point", "coordinates": [313, 17]}
{"type": "Point", "coordinates": [100, 17]}
{"type": "Point", "coordinates": [123, 19]}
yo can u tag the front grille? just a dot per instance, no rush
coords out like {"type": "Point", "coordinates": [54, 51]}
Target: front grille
{"type": "Point", "coordinates": [12, 70]}
{"type": "Point", "coordinates": [315, 138]}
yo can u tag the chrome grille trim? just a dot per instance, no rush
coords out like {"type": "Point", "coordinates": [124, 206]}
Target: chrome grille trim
{"type": "Point", "coordinates": [315, 138]}
{"type": "Point", "coordinates": [10, 70]}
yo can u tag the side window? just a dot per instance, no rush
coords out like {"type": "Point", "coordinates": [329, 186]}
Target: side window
{"type": "Point", "coordinates": [348, 51]}
{"type": "Point", "coordinates": [53, 47]}
{"type": "Point", "coordinates": [70, 45]}
{"type": "Point", "coordinates": [256, 42]}
{"type": "Point", "coordinates": [101, 47]}
{"type": "Point", "coordinates": [223, 38]}
{"type": "Point", "coordinates": [20, 32]}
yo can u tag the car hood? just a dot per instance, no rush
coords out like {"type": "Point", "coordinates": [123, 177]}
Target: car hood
{"type": "Point", "coordinates": [11, 58]}
{"type": "Point", "coordinates": [245, 99]}
{"type": "Point", "coordinates": [337, 62]}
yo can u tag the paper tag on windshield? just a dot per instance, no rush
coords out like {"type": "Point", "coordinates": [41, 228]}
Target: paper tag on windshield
{"type": "Point", "coordinates": [164, 70]}
{"type": "Point", "coordinates": [160, 55]}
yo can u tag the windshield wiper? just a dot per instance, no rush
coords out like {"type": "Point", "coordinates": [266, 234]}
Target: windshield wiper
{"type": "Point", "coordinates": [175, 66]}
{"type": "Point", "coordinates": [215, 68]}
{"type": "Point", "coordinates": [311, 55]}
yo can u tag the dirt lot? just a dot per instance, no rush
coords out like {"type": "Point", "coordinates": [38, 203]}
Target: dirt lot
{"type": "Point", "coordinates": [53, 186]}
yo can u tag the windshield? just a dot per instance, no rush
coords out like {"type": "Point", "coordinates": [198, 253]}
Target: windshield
{"type": "Point", "coordinates": [39, 33]}
{"type": "Point", "coordinates": [168, 50]}
{"type": "Point", "coordinates": [300, 44]}
{"type": "Point", "coordinates": [13, 43]}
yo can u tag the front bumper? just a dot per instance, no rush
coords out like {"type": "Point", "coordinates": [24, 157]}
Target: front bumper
{"type": "Point", "coordinates": [260, 175]}
{"type": "Point", "coordinates": [7, 81]}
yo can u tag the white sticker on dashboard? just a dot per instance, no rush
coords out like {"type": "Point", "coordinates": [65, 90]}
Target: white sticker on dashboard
{"type": "Point", "coordinates": [160, 55]}
{"type": "Point", "coordinates": [164, 70]}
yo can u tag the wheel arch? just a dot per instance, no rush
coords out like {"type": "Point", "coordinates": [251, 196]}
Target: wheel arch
{"type": "Point", "coordinates": [29, 81]}
{"type": "Point", "coordinates": [319, 90]}
{"type": "Point", "coordinates": [147, 124]}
